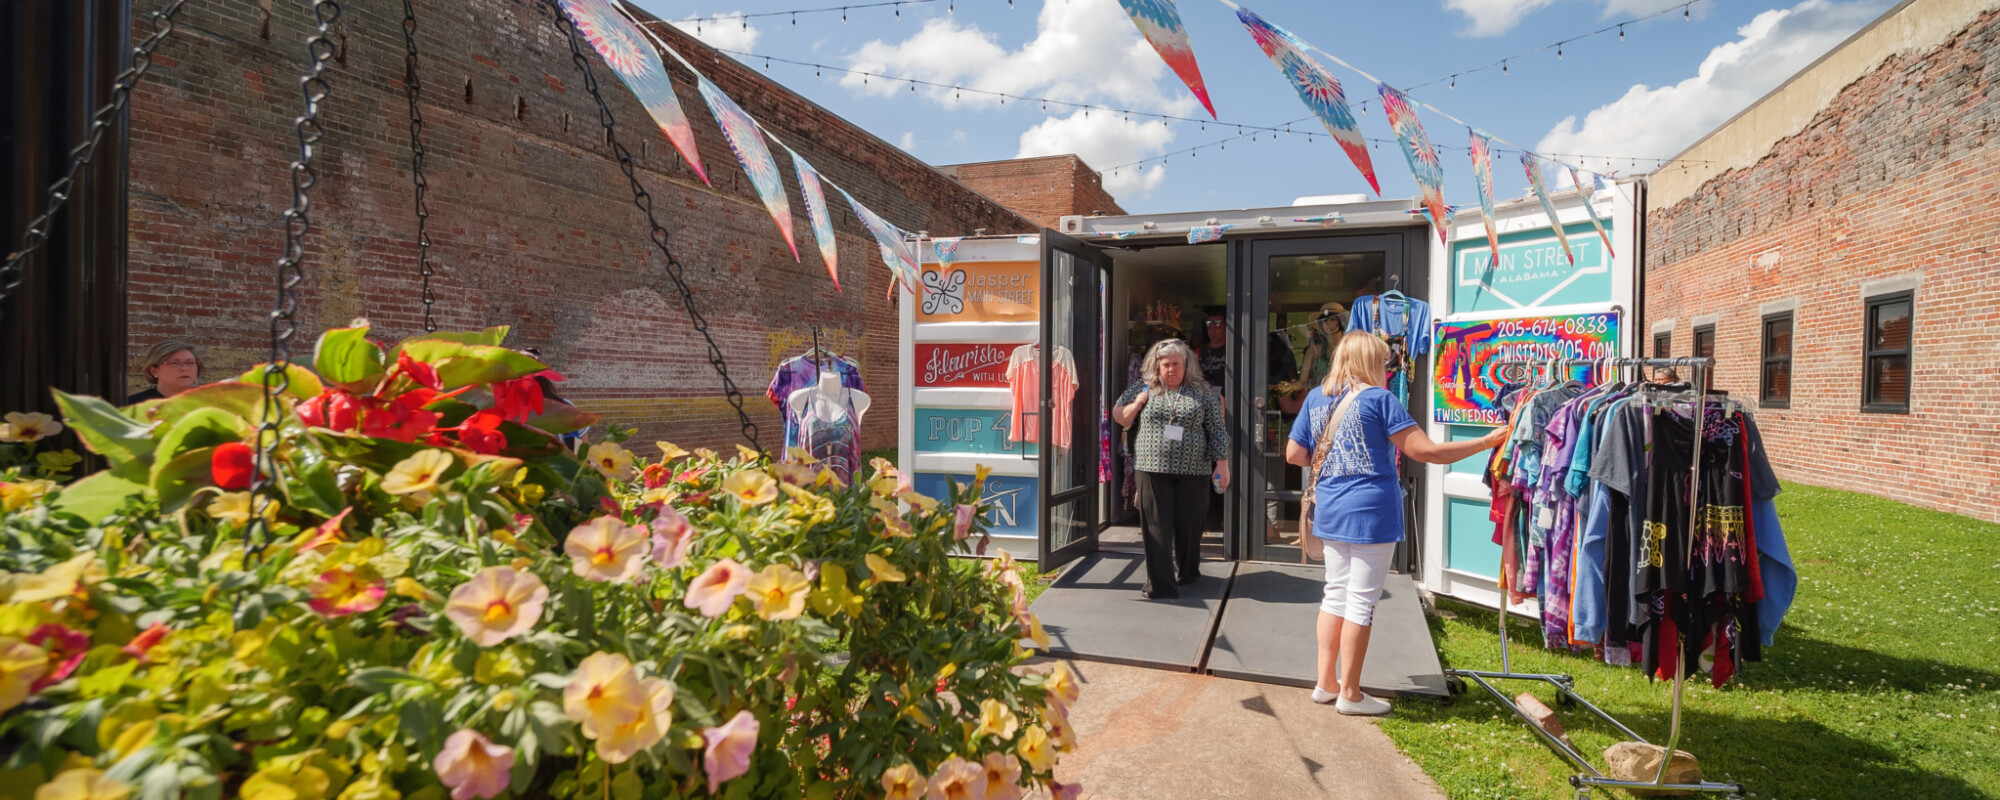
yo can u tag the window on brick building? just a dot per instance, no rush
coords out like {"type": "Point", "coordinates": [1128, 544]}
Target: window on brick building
{"type": "Point", "coordinates": [1774, 388]}
{"type": "Point", "coordinates": [1663, 344]}
{"type": "Point", "coordinates": [1704, 347]}
{"type": "Point", "coordinates": [1886, 353]}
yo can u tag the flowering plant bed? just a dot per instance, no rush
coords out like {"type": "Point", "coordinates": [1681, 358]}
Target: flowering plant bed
{"type": "Point", "coordinates": [445, 600]}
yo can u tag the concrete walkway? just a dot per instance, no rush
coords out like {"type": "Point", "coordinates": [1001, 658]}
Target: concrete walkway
{"type": "Point", "coordinates": [1146, 734]}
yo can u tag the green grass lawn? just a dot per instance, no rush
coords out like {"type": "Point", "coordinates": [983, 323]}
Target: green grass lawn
{"type": "Point", "coordinates": [1885, 681]}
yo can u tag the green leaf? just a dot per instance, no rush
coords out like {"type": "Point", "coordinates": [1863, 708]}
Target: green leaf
{"type": "Point", "coordinates": [162, 782]}
{"type": "Point", "coordinates": [459, 364]}
{"type": "Point", "coordinates": [299, 381]}
{"type": "Point", "coordinates": [176, 480]}
{"type": "Point", "coordinates": [421, 718]}
{"type": "Point", "coordinates": [382, 679]}
{"type": "Point", "coordinates": [106, 682]}
{"type": "Point", "coordinates": [627, 786]}
{"type": "Point", "coordinates": [104, 430]}
{"type": "Point", "coordinates": [346, 358]}
{"type": "Point", "coordinates": [491, 337]}
{"type": "Point", "coordinates": [317, 489]}
{"type": "Point", "coordinates": [245, 400]}
{"type": "Point", "coordinates": [202, 427]}
{"type": "Point", "coordinates": [97, 496]}
{"type": "Point", "coordinates": [562, 418]}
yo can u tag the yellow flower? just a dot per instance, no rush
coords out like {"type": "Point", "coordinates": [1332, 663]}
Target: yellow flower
{"type": "Point", "coordinates": [881, 571]}
{"type": "Point", "coordinates": [659, 494]}
{"type": "Point", "coordinates": [606, 549]}
{"type": "Point", "coordinates": [604, 693]}
{"type": "Point", "coordinates": [82, 784]}
{"type": "Point", "coordinates": [751, 487]}
{"type": "Point", "coordinates": [1003, 777]}
{"type": "Point", "coordinates": [62, 580]}
{"type": "Point", "coordinates": [980, 474]}
{"type": "Point", "coordinates": [747, 455]}
{"type": "Point", "coordinates": [1062, 686]}
{"type": "Point", "coordinates": [1036, 749]}
{"type": "Point", "coordinates": [28, 427]}
{"type": "Point", "coordinates": [234, 507]}
{"type": "Point", "coordinates": [1060, 731]}
{"type": "Point", "coordinates": [957, 779]}
{"type": "Point", "coordinates": [15, 496]}
{"type": "Point", "coordinates": [418, 473]}
{"type": "Point", "coordinates": [645, 730]}
{"type": "Point", "coordinates": [1036, 632]}
{"type": "Point", "coordinates": [779, 592]}
{"type": "Point", "coordinates": [289, 778]}
{"type": "Point", "coordinates": [669, 451]}
{"type": "Point", "coordinates": [612, 461]}
{"type": "Point", "coordinates": [704, 454]}
{"type": "Point", "coordinates": [800, 455]}
{"type": "Point", "coordinates": [833, 596]}
{"type": "Point", "coordinates": [996, 719]}
{"type": "Point", "coordinates": [21, 664]}
{"type": "Point", "coordinates": [902, 782]}
{"type": "Point", "coordinates": [498, 604]}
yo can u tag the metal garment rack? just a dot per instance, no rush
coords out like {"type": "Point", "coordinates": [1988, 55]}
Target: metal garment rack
{"type": "Point", "coordinates": [1589, 777]}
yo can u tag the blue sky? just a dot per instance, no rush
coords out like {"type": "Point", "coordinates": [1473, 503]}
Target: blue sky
{"type": "Point", "coordinates": [1668, 82]}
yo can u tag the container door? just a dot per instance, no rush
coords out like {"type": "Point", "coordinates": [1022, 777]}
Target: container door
{"type": "Point", "coordinates": [1073, 279]}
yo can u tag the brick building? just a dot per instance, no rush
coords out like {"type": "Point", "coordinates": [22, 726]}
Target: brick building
{"type": "Point", "coordinates": [1043, 189]}
{"type": "Point", "coordinates": [533, 225]}
{"type": "Point", "coordinates": [1837, 248]}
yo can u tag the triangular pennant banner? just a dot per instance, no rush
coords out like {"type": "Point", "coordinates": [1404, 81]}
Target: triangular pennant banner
{"type": "Point", "coordinates": [748, 142]}
{"type": "Point", "coordinates": [623, 47]}
{"type": "Point", "coordinates": [947, 250]}
{"type": "Point", "coordinates": [1201, 234]}
{"type": "Point", "coordinates": [895, 255]}
{"type": "Point", "coordinates": [819, 213]}
{"type": "Point", "coordinates": [1424, 164]}
{"type": "Point", "coordinates": [1316, 86]}
{"type": "Point", "coordinates": [1548, 207]}
{"type": "Point", "coordinates": [1160, 22]}
{"type": "Point", "coordinates": [1482, 174]}
{"type": "Point", "coordinates": [1590, 210]}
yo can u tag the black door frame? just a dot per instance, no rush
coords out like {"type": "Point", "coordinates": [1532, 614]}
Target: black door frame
{"type": "Point", "coordinates": [1085, 288]}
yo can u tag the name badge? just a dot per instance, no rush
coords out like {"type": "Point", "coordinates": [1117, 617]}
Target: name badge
{"type": "Point", "coordinates": [1174, 433]}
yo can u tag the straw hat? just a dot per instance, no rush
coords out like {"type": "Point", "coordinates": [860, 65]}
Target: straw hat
{"type": "Point", "coordinates": [1334, 310]}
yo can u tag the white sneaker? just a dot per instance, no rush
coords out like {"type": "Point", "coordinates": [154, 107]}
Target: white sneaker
{"type": "Point", "coordinates": [1366, 707]}
{"type": "Point", "coordinates": [1322, 696]}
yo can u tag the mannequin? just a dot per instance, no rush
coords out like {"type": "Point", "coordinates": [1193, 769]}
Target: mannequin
{"type": "Point", "coordinates": [829, 416]}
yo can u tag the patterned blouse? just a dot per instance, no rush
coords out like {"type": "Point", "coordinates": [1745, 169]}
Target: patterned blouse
{"type": "Point", "coordinates": [1203, 438]}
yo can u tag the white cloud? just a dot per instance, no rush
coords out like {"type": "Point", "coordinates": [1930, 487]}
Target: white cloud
{"type": "Point", "coordinates": [958, 137]}
{"type": "Point", "coordinates": [722, 31]}
{"type": "Point", "coordinates": [908, 142]}
{"type": "Point", "coordinates": [1773, 46]}
{"type": "Point", "coordinates": [1495, 17]}
{"type": "Point", "coordinates": [1104, 141]}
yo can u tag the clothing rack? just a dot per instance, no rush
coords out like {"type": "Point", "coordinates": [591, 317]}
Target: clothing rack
{"type": "Point", "coordinates": [1589, 777]}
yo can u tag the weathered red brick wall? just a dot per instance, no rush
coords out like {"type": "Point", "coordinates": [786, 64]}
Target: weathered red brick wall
{"type": "Point", "coordinates": [532, 223]}
{"type": "Point", "coordinates": [1043, 189]}
{"type": "Point", "coordinates": [1898, 178]}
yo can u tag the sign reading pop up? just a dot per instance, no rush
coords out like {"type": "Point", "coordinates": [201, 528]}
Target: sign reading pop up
{"type": "Point", "coordinates": [982, 291]}
{"type": "Point", "coordinates": [1469, 374]}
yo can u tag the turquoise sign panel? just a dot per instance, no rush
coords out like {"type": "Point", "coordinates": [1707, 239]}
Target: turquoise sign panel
{"type": "Point", "coordinates": [1469, 544]}
{"type": "Point", "coordinates": [1532, 272]}
{"type": "Point", "coordinates": [1473, 464]}
{"type": "Point", "coordinates": [968, 430]}
{"type": "Point", "coordinates": [1011, 503]}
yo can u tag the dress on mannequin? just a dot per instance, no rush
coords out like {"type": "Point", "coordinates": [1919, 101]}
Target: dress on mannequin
{"type": "Point", "coordinates": [829, 416]}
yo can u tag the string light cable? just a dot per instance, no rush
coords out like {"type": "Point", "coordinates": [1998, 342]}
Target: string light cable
{"type": "Point", "coordinates": [744, 18]}
{"type": "Point", "coordinates": [1501, 63]}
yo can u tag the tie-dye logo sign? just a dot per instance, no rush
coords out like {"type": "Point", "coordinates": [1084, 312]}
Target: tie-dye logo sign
{"type": "Point", "coordinates": [1470, 379]}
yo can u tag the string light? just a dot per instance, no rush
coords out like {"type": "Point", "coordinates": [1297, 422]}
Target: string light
{"type": "Point", "coordinates": [1621, 33]}
{"type": "Point", "coordinates": [1559, 52]}
{"type": "Point", "coordinates": [1617, 27]}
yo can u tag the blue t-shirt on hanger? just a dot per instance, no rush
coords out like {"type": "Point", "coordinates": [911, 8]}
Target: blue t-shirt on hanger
{"type": "Point", "coordinates": [1396, 317]}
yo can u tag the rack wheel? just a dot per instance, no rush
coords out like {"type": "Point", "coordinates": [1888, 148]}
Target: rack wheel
{"type": "Point", "coordinates": [1454, 685]}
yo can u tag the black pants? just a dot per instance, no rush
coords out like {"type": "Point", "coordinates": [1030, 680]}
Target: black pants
{"type": "Point", "coordinates": [1172, 510]}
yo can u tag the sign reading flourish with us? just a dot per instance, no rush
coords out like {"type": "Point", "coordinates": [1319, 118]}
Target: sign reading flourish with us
{"type": "Point", "coordinates": [1469, 377]}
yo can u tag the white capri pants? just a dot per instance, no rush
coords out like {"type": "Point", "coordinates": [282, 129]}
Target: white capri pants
{"type": "Point", "coordinates": [1354, 576]}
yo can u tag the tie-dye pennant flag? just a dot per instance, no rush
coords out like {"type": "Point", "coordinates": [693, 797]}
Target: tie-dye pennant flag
{"type": "Point", "coordinates": [947, 249]}
{"type": "Point", "coordinates": [819, 213]}
{"type": "Point", "coordinates": [1590, 210]}
{"type": "Point", "coordinates": [1316, 86]}
{"type": "Point", "coordinates": [748, 142]}
{"type": "Point", "coordinates": [895, 255]}
{"type": "Point", "coordinates": [1548, 207]}
{"type": "Point", "coordinates": [623, 48]}
{"type": "Point", "coordinates": [1127, 234]}
{"type": "Point", "coordinates": [1424, 164]}
{"type": "Point", "coordinates": [1324, 220]}
{"type": "Point", "coordinates": [1482, 174]}
{"type": "Point", "coordinates": [1160, 22]}
{"type": "Point", "coordinates": [1203, 234]}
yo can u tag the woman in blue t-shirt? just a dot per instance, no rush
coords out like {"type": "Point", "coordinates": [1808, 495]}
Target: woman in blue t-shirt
{"type": "Point", "coordinates": [1358, 507]}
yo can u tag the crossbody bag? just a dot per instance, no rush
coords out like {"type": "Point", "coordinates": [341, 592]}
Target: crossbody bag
{"type": "Point", "coordinates": [1314, 548]}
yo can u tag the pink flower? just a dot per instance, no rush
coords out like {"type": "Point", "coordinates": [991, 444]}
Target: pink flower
{"type": "Point", "coordinates": [473, 766]}
{"type": "Point", "coordinates": [606, 549]}
{"type": "Point", "coordinates": [497, 604]}
{"type": "Point", "coordinates": [346, 589]}
{"type": "Point", "coordinates": [961, 520]}
{"type": "Point", "coordinates": [1003, 777]}
{"type": "Point", "coordinates": [66, 648]}
{"type": "Point", "coordinates": [145, 641]}
{"type": "Point", "coordinates": [717, 587]}
{"type": "Point", "coordinates": [1065, 791]}
{"type": "Point", "coordinates": [729, 748]}
{"type": "Point", "coordinates": [672, 535]}
{"type": "Point", "coordinates": [957, 779]}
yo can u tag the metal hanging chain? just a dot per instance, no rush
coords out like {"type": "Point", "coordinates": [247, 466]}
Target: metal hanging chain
{"type": "Point", "coordinates": [417, 159]}
{"type": "Point", "coordinates": [121, 95]}
{"type": "Point", "coordinates": [658, 234]}
{"type": "Point", "coordinates": [319, 50]}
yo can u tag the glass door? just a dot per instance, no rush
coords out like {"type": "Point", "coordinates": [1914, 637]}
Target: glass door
{"type": "Point", "coordinates": [1297, 294]}
{"type": "Point", "coordinates": [1073, 280]}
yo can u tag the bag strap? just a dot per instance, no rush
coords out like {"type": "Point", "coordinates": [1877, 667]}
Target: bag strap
{"type": "Point", "coordinates": [1326, 441]}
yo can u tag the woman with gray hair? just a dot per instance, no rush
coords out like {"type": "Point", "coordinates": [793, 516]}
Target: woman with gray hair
{"type": "Point", "coordinates": [1181, 443]}
{"type": "Point", "coordinates": [171, 367]}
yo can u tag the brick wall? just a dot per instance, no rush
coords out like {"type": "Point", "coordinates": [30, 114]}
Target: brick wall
{"type": "Point", "coordinates": [1895, 183]}
{"type": "Point", "coordinates": [1043, 189]}
{"type": "Point", "coordinates": [532, 223]}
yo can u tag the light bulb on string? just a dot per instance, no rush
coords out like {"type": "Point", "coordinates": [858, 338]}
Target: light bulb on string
{"type": "Point", "coordinates": [843, 15]}
{"type": "Point", "coordinates": [1559, 51]}
{"type": "Point", "coordinates": [745, 21]}
{"type": "Point", "coordinates": [950, 9]}
{"type": "Point", "coordinates": [1503, 66]}
{"type": "Point", "coordinates": [1621, 33]}
{"type": "Point", "coordinates": [899, 12]}
{"type": "Point", "coordinates": [1454, 83]}
{"type": "Point", "coordinates": [913, 87]}
{"type": "Point", "coordinates": [795, 20]}
{"type": "Point", "coordinates": [1684, 14]}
